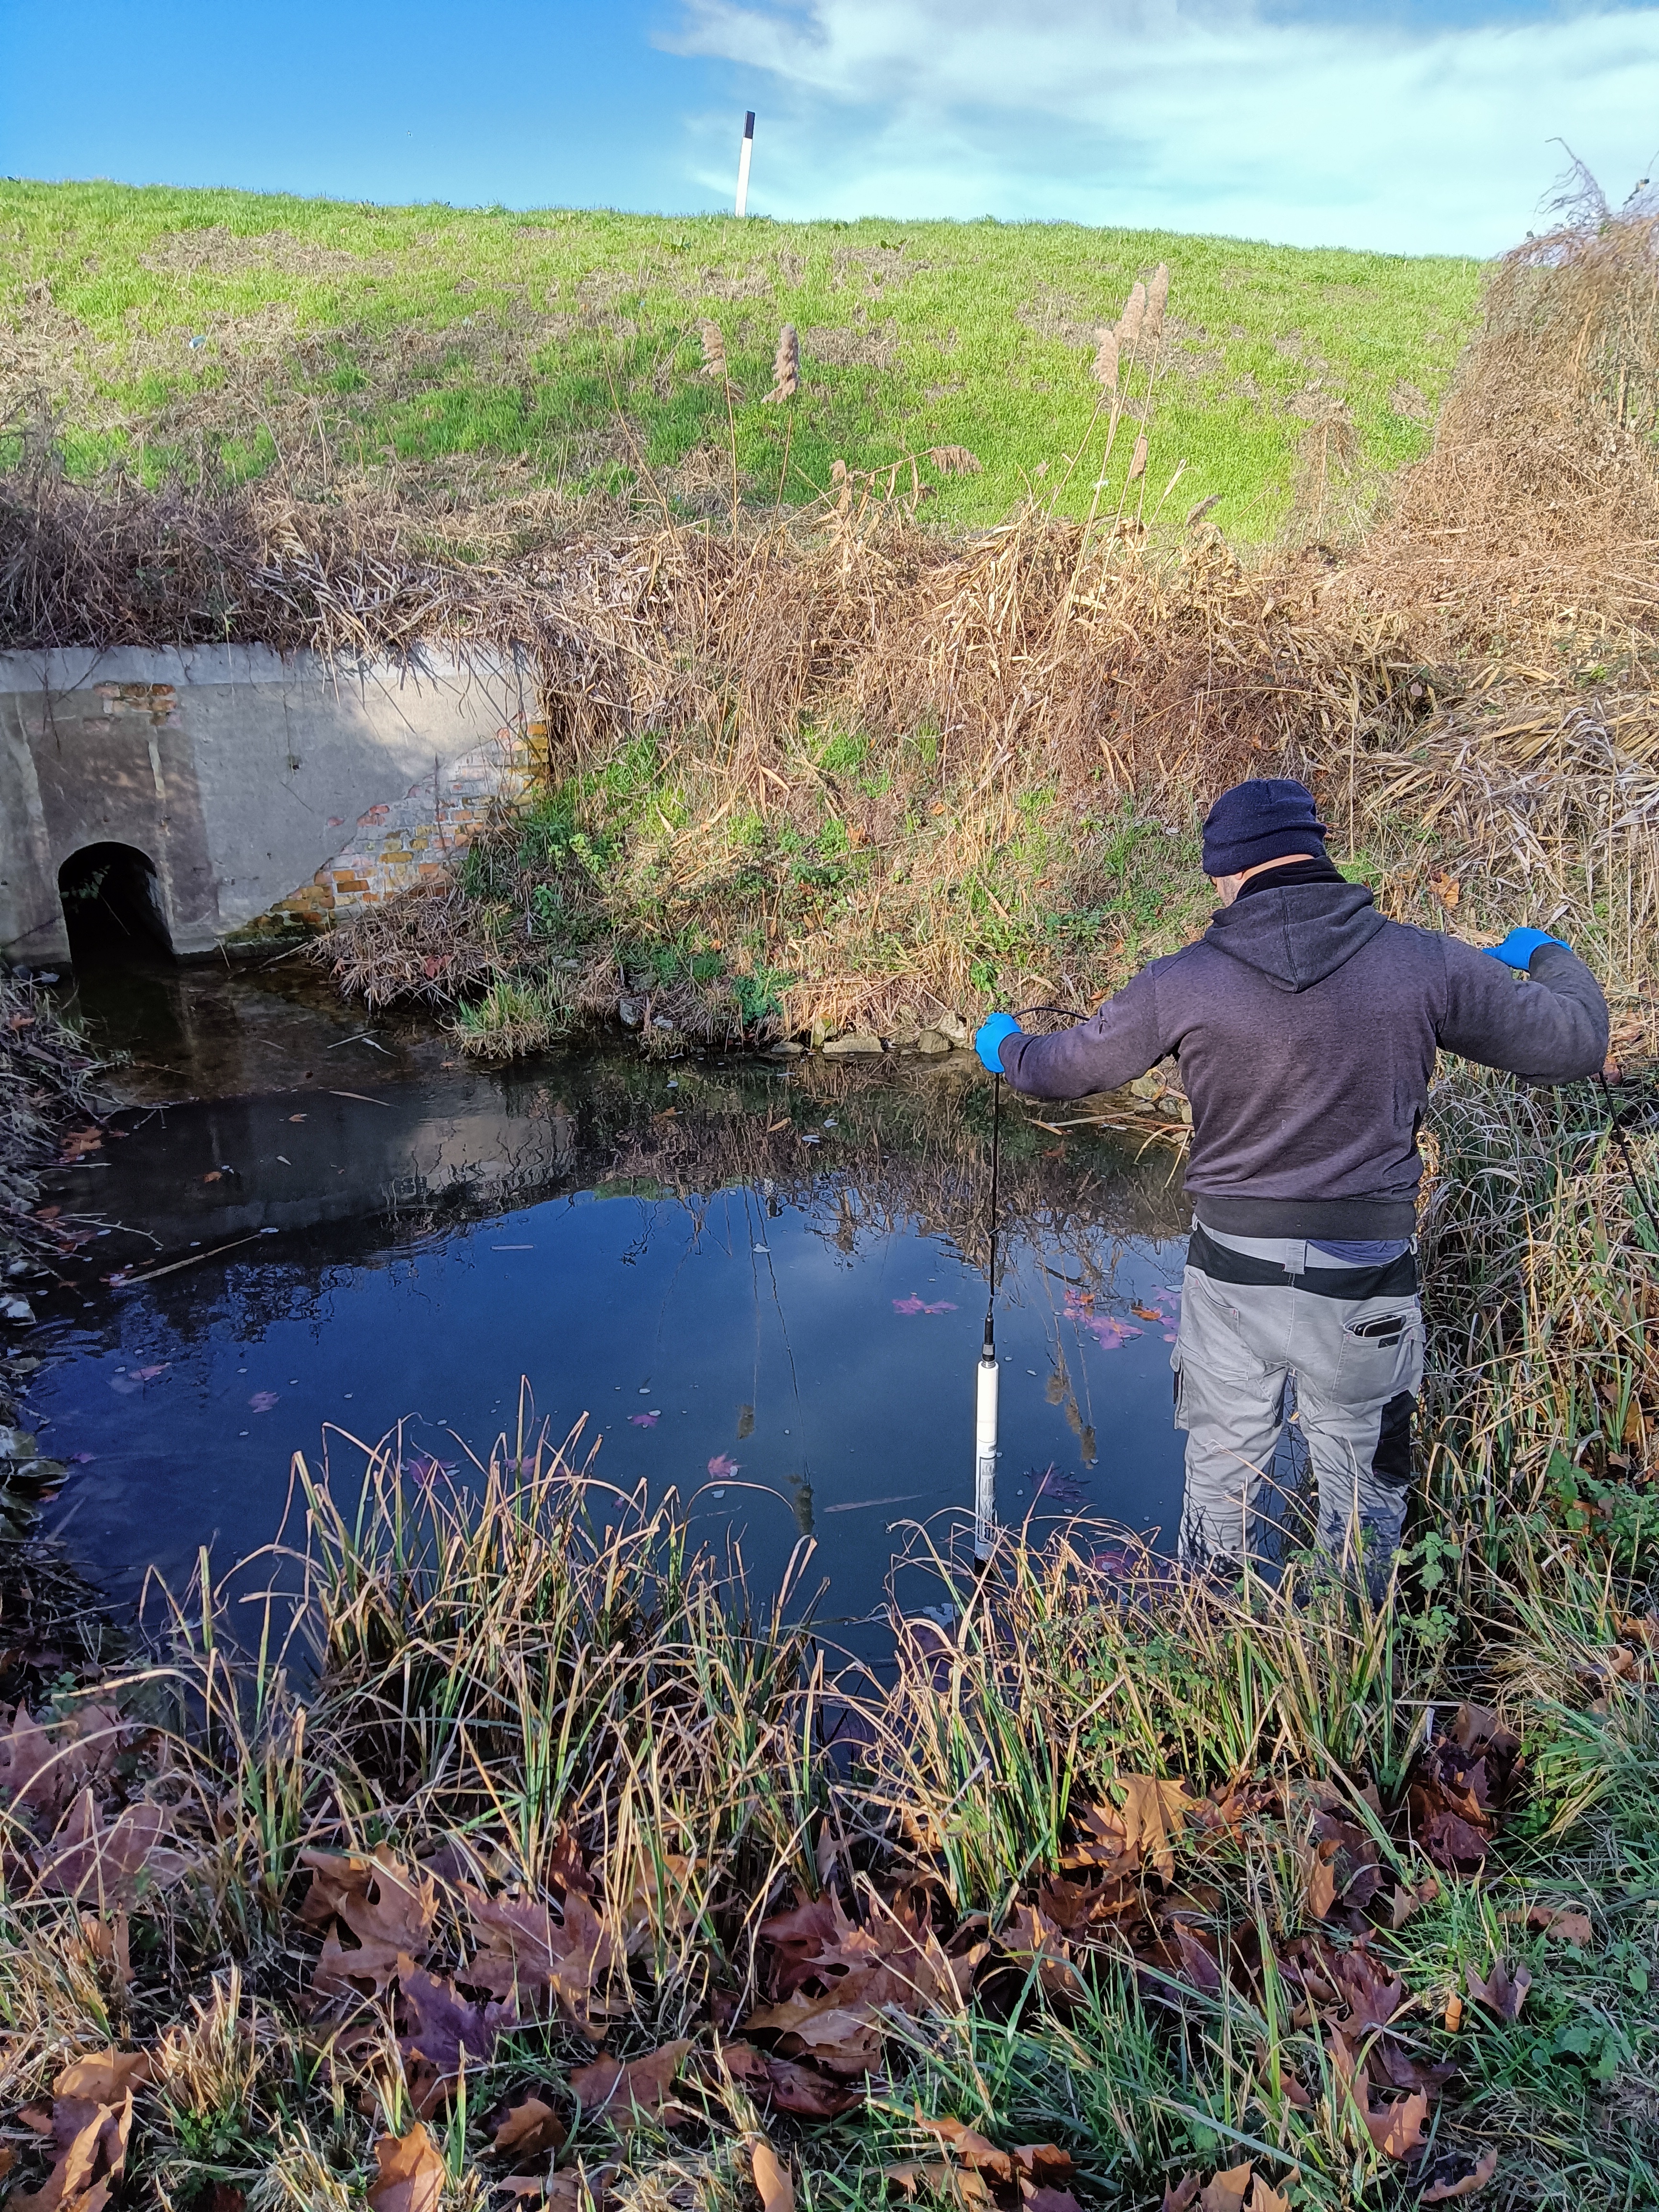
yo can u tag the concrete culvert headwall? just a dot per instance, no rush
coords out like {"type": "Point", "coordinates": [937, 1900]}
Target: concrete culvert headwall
{"type": "Point", "coordinates": [231, 795]}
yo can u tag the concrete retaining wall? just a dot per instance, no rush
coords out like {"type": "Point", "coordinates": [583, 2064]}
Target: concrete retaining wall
{"type": "Point", "coordinates": [266, 793]}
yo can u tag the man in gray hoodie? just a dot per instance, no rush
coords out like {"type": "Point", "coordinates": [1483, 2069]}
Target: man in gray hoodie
{"type": "Point", "coordinates": [1306, 1026]}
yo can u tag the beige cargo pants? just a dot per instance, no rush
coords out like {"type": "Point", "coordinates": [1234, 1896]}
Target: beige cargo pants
{"type": "Point", "coordinates": [1256, 1314]}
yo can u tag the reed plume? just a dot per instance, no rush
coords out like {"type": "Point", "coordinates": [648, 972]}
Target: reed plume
{"type": "Point", "coordinates": [954, 460]}
{"type": "Point", "coordinates": [714, 353]}
{"type": "Point", "coordinates": [1137, 458]}
{"type": "Point", "coordinates": [1104, 370]}
{"type": "Point", "coordinates": [786, 368]}
{"type": "Point", "coordinates": [1134, 316]}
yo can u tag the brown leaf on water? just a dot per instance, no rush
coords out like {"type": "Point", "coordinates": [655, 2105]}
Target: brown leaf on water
{"type": "Point", "coordinates": [1154, 1813]}
{"type": "Point", "coordinates": [973, 2149]}
{"type": "Point", "coordinates": [529, 2130]}
{"type": "Point", "coordinates": [1446, 2182]}
{"type": "Point", "coordinates": [777, 2191]}
{"type": "Point", "coordinates": [1504, 1990]}
{"type": "Point", "coordinates": [524, 1947]}
{"type": "Point", "coordinates": [642, 2085]}
{"type": "Point", "coordinates": [1569, 1922]}
{"type": "Point", "coordinates": [411, 2173]}
{"type": "Point", "coordinates": [1178, 2196]}
{"type": "Point", "coordinates": [1397, 2129]}
{"type": "Point", "coordinates": [1225, 2191]}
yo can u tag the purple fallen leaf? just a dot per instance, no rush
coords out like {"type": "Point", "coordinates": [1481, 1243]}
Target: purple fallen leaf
{"type": "Point", "coordinates": [912, 1304]}
{"type": "Point", "coordinates": [263, 1401]}
{"type": "Point", "coordinates": [80, 1459]}
{"type": "Point", "coordinates": [643, 1420]}
{"type": "Point", "coordinates": [424, 1469]}
{"type": "Point", "coordinates": [721, 1468]}
{"type": "Point", "coordinates": [945, 1305]}
{"type": "Point", "coordinates": [1055, 1485]}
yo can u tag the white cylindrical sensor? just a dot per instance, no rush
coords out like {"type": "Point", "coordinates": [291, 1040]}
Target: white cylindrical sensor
{"type": "Point", "coordinates": [743, 162]}
{"type": "Point", "coordinates": [985, 1457]}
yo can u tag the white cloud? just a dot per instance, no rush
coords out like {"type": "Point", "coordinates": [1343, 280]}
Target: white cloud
{"type": "Point", "coordinates": [1399, 137]}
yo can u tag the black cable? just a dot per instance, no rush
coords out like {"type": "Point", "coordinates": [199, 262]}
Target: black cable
{"type": "Point", "coordinates": [1615, 1129]}
{"type": "Point", "coordinates": [996, 1166]}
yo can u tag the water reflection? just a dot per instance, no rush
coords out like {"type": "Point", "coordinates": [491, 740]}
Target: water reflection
{"type": "Point", "coordinates": [762, 1283]}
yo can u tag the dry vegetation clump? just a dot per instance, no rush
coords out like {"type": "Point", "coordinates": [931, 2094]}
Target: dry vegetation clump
{"type": "Point", "coordinates": [46, 1088]}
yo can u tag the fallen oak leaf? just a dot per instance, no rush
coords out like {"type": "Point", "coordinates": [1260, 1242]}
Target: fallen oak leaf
{"type": "Point", "coordinates": [974, 2150]}
{"type": "Point", "coordinates": [959, 2183]}
{"type": "Point", "coordinates": [1464, 2185]}
{"type": "Point", "coordinates": [1154, 1813]}
{"type": "Point", "coordinates": [777, 2191]}
{"type": "Point", "coordinates": [1226, 2191]}
{"type": "Point", "coordinates": [1178, 2196]}
{"type": "Point", "coordinates": [1264, 2197]}
{"type": "Point", "coordinates": [1504, 1990]}
{"type": "Point", "coordinates": [1040, 2198]}
{"type": "Point", "coordinates": [105, 2077]}
{"type": "Point", "coordinates": [1397, 2129]}
{"type": "Point", "coordinates": [529, 2130]}
{"type": "Point", "coordinates": [1035, 2160]}
{"type": "Point", "coordinates": [1570, 1923]}
{"type": "Point", "coordinates": [642, 2085]}
{"type": "Point", "coordinates": [411, 2173]}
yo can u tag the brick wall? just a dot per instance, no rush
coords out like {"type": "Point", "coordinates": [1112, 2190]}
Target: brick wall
{"type": "Point", "coordinates": [414, 837]}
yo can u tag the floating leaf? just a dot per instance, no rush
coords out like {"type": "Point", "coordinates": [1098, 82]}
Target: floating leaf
{"type": "Point", "coordinates": [644, 1420]}
{"type": "Point", "coordinates": [914, 1305]}
{"type": "Point", "coordinates": [722, 1467]}
{"type": "Point", "coordinates": [263, 1401]}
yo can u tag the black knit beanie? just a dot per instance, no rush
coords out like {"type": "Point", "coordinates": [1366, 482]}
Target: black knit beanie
{"type": "Point", "coordinates": [1266, 819]}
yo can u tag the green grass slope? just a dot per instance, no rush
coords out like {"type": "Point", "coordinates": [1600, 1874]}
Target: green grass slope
{"type": "Point", "coordinates": [482, 353]}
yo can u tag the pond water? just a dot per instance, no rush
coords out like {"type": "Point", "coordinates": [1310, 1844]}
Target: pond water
{"type": "Point", "coordinates": [761, 1282]}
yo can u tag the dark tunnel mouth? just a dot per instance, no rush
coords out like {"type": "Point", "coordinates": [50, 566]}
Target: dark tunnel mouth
{"type": "Point", "coordinates": [112, 902]}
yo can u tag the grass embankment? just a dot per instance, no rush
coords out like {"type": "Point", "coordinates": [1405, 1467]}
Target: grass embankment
{"type": "Point", "coordinates": [540, 1856]}
{"type": "Point", "coordinates": [838, 771]}
{"type": "Point", "coordinates": [494, 373]}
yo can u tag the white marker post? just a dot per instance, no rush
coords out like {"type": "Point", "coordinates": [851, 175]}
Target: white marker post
{"type": "Point", "coordinates": [743, 162]}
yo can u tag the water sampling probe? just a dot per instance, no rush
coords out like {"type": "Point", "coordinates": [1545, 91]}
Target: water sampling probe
{"type": "Point", "coordinates": [985, 1375]}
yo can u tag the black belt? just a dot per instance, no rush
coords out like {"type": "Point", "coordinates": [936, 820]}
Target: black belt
{"type": "Point", "coordinates": [1336, 1217]}
{"type": "Point", "coordinates": [1393, 1278]}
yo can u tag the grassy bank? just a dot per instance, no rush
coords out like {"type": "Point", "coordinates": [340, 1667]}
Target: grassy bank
{"type": "Point", "coordinates": [493, 372]}
{"type": "Point", "coordinates": [537, 1853]}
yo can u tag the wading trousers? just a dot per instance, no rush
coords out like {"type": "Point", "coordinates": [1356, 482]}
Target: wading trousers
{"type": "Point", "coordinates": [1260, 1313]}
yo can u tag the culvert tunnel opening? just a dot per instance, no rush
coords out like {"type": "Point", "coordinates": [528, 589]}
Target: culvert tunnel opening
{"type": "Point", "coordinates": [112, 899]}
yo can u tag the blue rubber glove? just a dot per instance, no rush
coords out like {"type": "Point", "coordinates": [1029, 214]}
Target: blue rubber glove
{"type": "Point", "coordinates": [1518, 947]}
{"type": "Point", "coordinates": [988, 1037]}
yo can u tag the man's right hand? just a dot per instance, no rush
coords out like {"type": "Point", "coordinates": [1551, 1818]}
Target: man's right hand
{"type": "Point", "coordinates": [988, 1039]}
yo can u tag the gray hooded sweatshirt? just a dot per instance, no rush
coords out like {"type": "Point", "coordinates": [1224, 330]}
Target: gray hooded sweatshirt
{"type": "Point", "coordinates": [1306, 1027]}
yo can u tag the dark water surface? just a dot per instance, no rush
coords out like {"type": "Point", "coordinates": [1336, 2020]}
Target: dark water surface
{"type": "Point", "coordinates": [776, 1267]}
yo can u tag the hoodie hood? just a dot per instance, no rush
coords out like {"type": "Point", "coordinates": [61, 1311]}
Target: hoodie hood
{"type": "Point", "coordinates": [1297, 934]}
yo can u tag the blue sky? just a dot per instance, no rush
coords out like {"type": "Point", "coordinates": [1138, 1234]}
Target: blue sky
{"type": "Point", "coordinates": [1421, 125]}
